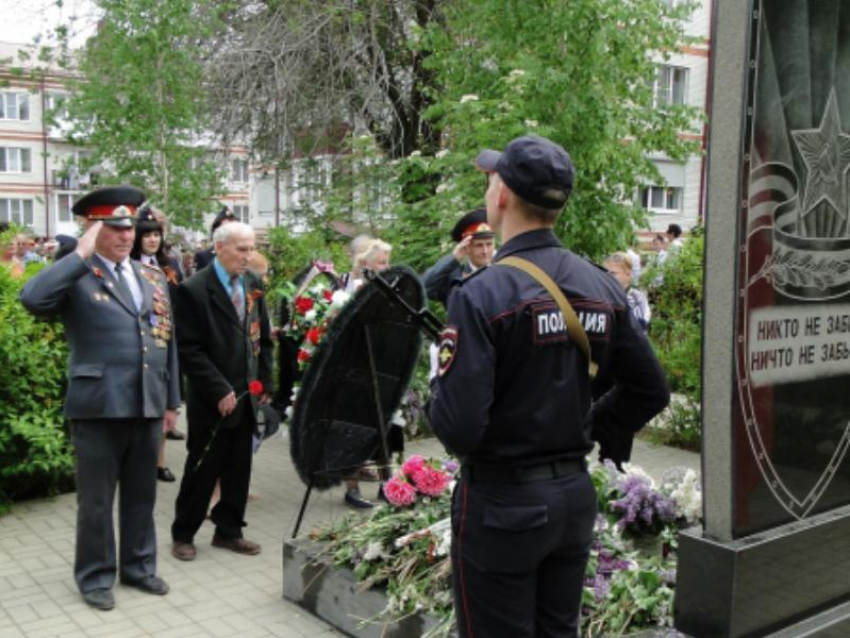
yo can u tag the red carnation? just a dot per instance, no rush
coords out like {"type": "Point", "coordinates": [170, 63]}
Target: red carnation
{"type": "Point", "coordinates": [313, 335]}
{"type": "Point", "coordinates": [303, 304]}
{"type": "Point", "coordinates": [303, 356]}
{"type": "Point", "coordinates": [255, 387]}
{"type": "Point", "coordinates": [328, 295]}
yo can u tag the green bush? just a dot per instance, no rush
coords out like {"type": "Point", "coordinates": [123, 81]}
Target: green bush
{"type": "Point", "coordinates": [36, 458]}
{"type": "Point", "coordinates": [676, 334]}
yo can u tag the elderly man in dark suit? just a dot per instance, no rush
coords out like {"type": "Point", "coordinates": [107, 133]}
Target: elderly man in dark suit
{"type": "Point", "coordinates": [225, 345]}
{"type": "Point", "coordinates": [122, 389]}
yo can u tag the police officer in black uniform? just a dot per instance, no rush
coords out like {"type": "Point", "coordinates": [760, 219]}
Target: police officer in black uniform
{"type": "Point", "coordinates": [512, 399]}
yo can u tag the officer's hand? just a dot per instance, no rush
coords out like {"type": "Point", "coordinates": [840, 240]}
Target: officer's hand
{"type": "Point", "coordinates": [85, 246]}
{"type": "Point", "coordinates": [227, 404]}
{"type": "Point", "coordinates": [461, 251]}
{"type": "Point", "coordinates": [170, 421]}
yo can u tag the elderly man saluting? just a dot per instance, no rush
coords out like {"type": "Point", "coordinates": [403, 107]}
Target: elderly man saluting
{"type": "Point", "coordinates": [225, 346]}
{"type": "Point", "coordinates": [122, 388]}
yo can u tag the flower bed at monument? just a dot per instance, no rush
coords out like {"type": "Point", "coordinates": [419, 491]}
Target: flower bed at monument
{"type": "Point", "coordinates": [404, 550]}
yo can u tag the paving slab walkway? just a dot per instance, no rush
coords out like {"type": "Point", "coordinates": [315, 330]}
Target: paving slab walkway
{"type": "Point", "coordinates": [220, 594]}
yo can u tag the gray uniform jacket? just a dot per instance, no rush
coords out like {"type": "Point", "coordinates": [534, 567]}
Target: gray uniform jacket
{"type": "Point", "coordinates": [440, 278]}
{"type": "Point", "coordinates": [123, 363]}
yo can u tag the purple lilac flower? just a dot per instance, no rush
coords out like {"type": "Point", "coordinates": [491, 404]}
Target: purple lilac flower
{"type": "Point", "coordinates": [450, 466]}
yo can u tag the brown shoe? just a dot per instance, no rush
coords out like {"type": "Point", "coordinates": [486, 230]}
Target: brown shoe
{"type": "Point", "coordinates": [183, 551]}
{"type": "Point", "coordinates": [238, 545]}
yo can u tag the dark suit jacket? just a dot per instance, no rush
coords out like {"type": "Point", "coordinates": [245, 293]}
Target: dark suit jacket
{"type": "Point", "coordinates": [123, 363]}
{"type": "Point", "coordinates": [218, 353]}
{"type": "Point", "coordinates": [203, 258]}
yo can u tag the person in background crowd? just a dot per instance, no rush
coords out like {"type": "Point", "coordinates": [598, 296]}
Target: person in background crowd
{"type": "Point", "coordinates": [620, 265]}
{"type": "Point", "coordinates": [674, 237]}
{"type": "Point", "coordinates": [512, 399]}
{"type": "Point", "coordinates": [473, 249]}
{"type": "Point", "coordinates": [8, 251]}
{"type": "Point", "coordinates": [368, 254]}
{"type": "Point", "coordinates": [123, 389]}
{"type": "Point", "coordinates": [26, 252]}
{"type": "Point", "coordinates": [224, 338]}
{"type": "Point", "coordinates": [203, 258]}
{"type": "Point", "coordinates": [637, 266]}
{"type": "Point", "coordinates": [149, 249]}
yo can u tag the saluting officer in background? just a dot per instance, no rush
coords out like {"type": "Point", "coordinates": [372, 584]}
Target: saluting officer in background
{"type": "Point", "coordinates": [122, 388]}
{"type": "Point", "coordinates": [512, 399]}
{"type": "Point", "coordinates": [473, 249]}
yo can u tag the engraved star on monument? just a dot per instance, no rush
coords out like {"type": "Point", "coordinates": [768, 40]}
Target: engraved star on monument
{"type": "Point", "coordinates": [826, 154]}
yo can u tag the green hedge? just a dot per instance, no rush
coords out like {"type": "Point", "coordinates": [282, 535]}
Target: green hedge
{"type": "Point", "coordinates": [36, 458]}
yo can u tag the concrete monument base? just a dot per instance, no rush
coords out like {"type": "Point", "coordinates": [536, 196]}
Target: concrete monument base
{"type": "Point", "coordinates": [794, 578]}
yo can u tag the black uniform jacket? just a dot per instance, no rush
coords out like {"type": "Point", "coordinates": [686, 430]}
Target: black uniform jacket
{"type": "Point", "coordinates": [219, 353]}
{"type": "Point", "coordinates": [513, 389]}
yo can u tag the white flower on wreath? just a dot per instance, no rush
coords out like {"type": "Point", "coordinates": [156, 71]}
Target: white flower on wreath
{"type": "Point", "coordinates": [339, 298]}
{"type": "Point", "coordinates": [441, 154]}
{"type": "Point", "coordinates": [310, 316]}
{"type": "Point", "coordinates": [470, 97]}
{"type": "Point", "coordinates": [532, 123]}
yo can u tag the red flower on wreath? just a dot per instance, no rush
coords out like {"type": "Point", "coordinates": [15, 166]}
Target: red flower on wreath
{"type": "Point", "coordinates": [328, 295]}
{"type": "Point", "coordinates": [303, 304]}
{"type": "Point", "coordinates": [313, 335]}
{"type": "Point", "coordinates": [303, 356]}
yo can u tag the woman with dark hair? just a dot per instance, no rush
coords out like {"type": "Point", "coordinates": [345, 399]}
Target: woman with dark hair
{"type": "Point", "coordinates": [149, 249]}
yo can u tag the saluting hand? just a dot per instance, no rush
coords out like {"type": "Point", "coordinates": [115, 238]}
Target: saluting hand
{"type": "Point", "coordinates": [227, 404]}
{"type": "Point", "coordinates": [86, 244]}
{"type": "Point", "coordinates": [462, 249]}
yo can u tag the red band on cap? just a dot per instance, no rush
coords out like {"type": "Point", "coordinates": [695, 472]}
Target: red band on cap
{"type": "Point", "coordinates": [477, 228]}
{"type": "Point", "coordinates": [105, 211]}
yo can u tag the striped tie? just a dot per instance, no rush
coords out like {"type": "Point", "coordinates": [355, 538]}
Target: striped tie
{"type": "Point", "coordinates": [236, 298]}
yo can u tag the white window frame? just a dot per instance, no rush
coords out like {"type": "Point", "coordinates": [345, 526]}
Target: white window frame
{"type": "Point", "coordinates": [14, 158]}
{"type": "Point", "coordinates": [663, 92]}
{"type": "Point", "coordinates": [12, 103]}
{"type": "Point", "coordinates": [71, 199]}
{"type": "Point", "coordinates": [239, 170]}
{"type": "Point", "coordinates": [666, 193]}
{"type": "Point", "coordinates": [17, 211]}
{"type": "Point", "coordinates": [242, 213]}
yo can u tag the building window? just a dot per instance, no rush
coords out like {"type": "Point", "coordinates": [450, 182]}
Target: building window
{"type": "Point", "coordinates": [239, 171]}
{"type": "Point", "coordinates": [14, 106]}
{"type": "Point", "coordinates": [662, 199]}
{"type": "Point", "coordinates": [241, 212]}
{"type": "Point", "coordinates": [15, 160]}
{"type": "Point", "coordinates": [64, 202]}
{"type": "Point", "coordinates": [16, 211]}
{"type": "Point", "coordinates": [670, 85]}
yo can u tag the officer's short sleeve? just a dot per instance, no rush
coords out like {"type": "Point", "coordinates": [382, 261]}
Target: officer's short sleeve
{"type": "Point", "coordinates": [462, 391]}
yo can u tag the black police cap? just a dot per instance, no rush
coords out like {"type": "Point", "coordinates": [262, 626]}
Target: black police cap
{"type": "Point", "coordinates": [224, 213]}
{"type": "Point", "coordinates": [536, 169]}
{"type": "Point", "coordinates": [146, 221]}
{"type": "Point", "coordinates": [473, 223]}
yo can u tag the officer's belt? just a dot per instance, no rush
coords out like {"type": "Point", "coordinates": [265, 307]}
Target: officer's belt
{"type": "Point", "coordinates": [505, 474]}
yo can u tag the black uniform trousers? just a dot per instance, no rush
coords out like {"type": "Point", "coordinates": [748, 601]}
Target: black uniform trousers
{"type": "Point", "coordinates": [110, 454]}
{"type": "Point", "coordinates": [519, 553]}
{"type": "Point", "coordinates": [228, 460]}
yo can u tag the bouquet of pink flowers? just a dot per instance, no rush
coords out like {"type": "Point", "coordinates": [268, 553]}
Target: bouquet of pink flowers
{"type": "Point", "coordinates": [418, 477]}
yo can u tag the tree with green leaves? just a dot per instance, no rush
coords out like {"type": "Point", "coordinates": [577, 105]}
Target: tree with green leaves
{"type": "Point", "coordinates": [578, 72]}
{"type": "Point", "coordinates": [139, 104]}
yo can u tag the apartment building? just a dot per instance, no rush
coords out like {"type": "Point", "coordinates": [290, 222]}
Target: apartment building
{"type": "Point", "coordinates": [682, 79]}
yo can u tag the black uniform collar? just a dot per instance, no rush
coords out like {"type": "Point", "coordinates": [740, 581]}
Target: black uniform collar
{"type": "Point", "coordinates": [529, 240]}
